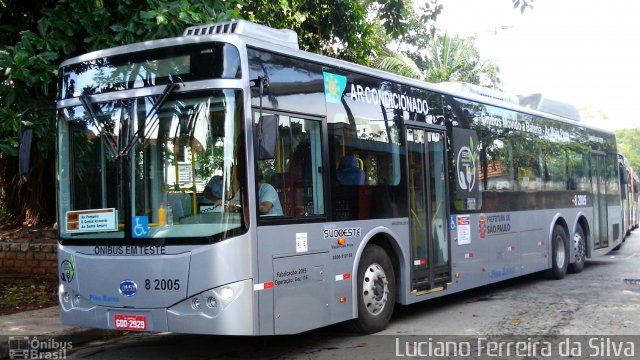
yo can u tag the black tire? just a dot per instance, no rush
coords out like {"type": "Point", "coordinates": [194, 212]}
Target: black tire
{"type": "Point", "coordinates": [559, 253]}
{"type": "Point", "coordinates": [580, 251]}
{"type": "Point", "coordinates": [376, 291]}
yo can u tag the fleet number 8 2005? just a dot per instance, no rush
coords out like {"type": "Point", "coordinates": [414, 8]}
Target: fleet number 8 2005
{"type": "Point", "coordinates": [162, 284]}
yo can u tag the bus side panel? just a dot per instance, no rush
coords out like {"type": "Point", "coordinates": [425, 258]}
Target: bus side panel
{"type": "Point", "coordinates": [301, 294]}
{"type": "Point", "coordinates": [505, 247]}
{"type": "Point", "coordinates": [535, 245]}
{"type": "Point", "coordinates": [292, 266]}
{"type": "Point", "coordinates": [469, 255]}
{"type": "Point", "coordinates": [312, 276]}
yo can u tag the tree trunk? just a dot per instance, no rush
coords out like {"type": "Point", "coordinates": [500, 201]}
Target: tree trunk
{"type": "Point", "coordinates": [33, 202]}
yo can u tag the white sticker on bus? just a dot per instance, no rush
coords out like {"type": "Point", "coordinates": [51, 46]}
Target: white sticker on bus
{"type": "Point", "coordinates": [263, 286]}
{"type": "Point", "coordinates": [464, 229]}
{"type": "Point", "coordinates": [301, 242]}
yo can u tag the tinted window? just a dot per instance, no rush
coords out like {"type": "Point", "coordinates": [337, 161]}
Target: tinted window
{"type": "Point", "coordinates": [150, 68]}
{"type": "Point", "coordinates": [366, 157]}
{"type": "Point", "coordinates": [294, 85]}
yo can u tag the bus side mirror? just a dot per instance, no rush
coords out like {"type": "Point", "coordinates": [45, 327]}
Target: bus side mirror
{"type": "Point", "coordinates": [267, 137]}
{"type": "Point", "coordinates": [623, 174]}
{"type": "Point", "coordinates": [24, 153]}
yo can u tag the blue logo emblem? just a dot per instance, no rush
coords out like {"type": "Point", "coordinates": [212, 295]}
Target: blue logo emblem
{"type": "Point", "coordinates": [128, 288]}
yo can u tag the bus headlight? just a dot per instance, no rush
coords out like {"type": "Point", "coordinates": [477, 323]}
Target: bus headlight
{"type": "Point", "coordinates": [226, 293]}
{"type": "Point", "coordinates": [196, 304]}
{"type": "Point", "coordinates": [69, 299]}
{"type": "Point", "coordinates": [212, 302]}
{"type": "Point", "coordinates": [63, 294]}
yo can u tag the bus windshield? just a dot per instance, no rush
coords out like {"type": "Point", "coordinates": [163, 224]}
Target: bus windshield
{"type": "Point", "coordinates": [170, 173]}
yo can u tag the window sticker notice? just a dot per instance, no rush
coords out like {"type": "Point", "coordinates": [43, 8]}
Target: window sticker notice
{"type": "Point", "coordinates": [464, 229]}
{"type": "Point", "coordinates": [302, 244]}
{"type": "Point", "coordinates": [91, 220]}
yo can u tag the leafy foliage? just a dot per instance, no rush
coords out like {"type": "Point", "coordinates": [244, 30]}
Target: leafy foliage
{"type": "Point", "coordinates": [452, 58]}
{"type": "Point", "coordinates": [39, 35]}
{"type": "Point", "coordinates": [628, 140]}
{"type": "Point", "coordinates": [426, 53]}
{"type": "Point", "coordinates": [352, 30]}
{"type": "Point", "coordinates": [438, 57]}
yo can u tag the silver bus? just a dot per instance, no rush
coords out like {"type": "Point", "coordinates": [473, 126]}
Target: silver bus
{"type": "Point", "coordinates": [226, 182]}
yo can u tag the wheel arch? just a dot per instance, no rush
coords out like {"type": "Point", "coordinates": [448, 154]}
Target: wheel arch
{"type": "Point", "coordinates": [581, 220]}
{"type": "Point", "coordinates": [555, 272]}
{"type": "Point", "coordinates": [559, 220]}
{"type": "Point", "coordinates": [387, 240]}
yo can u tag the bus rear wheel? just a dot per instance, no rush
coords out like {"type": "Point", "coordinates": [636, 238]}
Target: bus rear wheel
{"type": "Point", "coordinates": [376, 291]}
{"type": "Point", "coordinates": [580, 250]}
{"type": "Point", "coordinates": [559, 253]}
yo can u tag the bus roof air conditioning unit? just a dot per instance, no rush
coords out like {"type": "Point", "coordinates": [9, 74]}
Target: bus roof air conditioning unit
{"type": "Point", "coordinates": [539, 102]}
{"type": "Point", "coordinates": [283, 37]}
{"type": "Point", "coordinates": [478, 90]}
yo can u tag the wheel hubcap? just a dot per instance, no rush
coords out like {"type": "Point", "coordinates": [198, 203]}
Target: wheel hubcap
{"type": "Point", "coordinates": [375, 288]}
{"type": "Point", "coordinates": [579, 246]}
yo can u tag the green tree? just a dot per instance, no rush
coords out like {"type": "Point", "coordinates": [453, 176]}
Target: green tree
{"type": "Point", "coordinates": [453, 58]}
{"type": "Point", "coordinates": [425, 53]}
{"type": "Point", "coordinates": [628, 140]}
{"type": "Point", "coordinates": [352, 30]}
{"type": "Point", "coordinates": [37, 36]}
{"type": "Point", "coordinates": [442, 58]}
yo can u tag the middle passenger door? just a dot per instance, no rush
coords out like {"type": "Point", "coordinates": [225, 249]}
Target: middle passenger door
{"type": "Point", "coordinates": [431, 265]}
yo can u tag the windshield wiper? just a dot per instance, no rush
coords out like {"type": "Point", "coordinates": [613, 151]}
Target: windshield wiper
{"type": "Point", "coordinates": [110, 142]}
{"type": "Point", "coordinates": [146, 130]}
{"type": "Point", "coordinates": [112, 146]}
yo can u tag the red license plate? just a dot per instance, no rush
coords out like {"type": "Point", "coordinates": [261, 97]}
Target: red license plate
{"type": "Point", "coordinates": [130, 322]}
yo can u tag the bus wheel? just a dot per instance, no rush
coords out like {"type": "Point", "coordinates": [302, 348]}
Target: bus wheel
{"type": "Point", "coordinates": [376, 291]}
{"type": "Point", "coordinates": [559, 253]}
{"type": "Point", "coordinates": [580, 249]}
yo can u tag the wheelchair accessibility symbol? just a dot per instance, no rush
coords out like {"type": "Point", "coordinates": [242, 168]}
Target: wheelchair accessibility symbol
{"type": "Point", "coordinates": [140, 227]}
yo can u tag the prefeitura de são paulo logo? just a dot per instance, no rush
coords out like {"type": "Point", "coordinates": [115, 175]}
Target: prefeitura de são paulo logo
{"type": "Point", "coordinates": [466, 167]}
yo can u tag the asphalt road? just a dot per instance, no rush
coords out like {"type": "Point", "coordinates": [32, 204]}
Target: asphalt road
{"type": "Point", "coordinates": [600, 302]}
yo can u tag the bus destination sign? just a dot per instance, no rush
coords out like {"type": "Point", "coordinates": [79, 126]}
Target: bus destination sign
{"type": "Point", "coordinates": [91, 220]}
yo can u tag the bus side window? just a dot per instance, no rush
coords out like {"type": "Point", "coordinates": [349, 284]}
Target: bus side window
{"type": "Point", "coordinates": [296, 171]}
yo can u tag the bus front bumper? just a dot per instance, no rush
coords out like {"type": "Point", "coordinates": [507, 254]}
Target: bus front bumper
{"type": "Point", "coordinates": [224, 310]}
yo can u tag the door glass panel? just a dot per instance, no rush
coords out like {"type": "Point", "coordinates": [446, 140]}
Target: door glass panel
{"type": "Point", "coordinates": [437, 175]}
{"type": "Point", "coordinates": [600, 214]}
{"type": "Point", "coordinates": [427, 205]}
{"type": "Point", "coordinates": [418, 206]}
